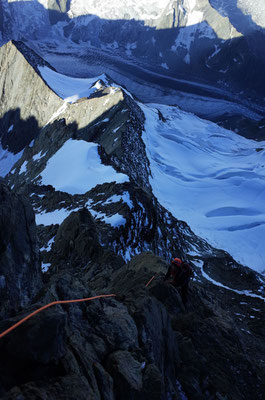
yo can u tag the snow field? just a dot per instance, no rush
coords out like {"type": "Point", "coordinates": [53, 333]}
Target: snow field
{"type": "Point", "coordinates": [211, 178]}
{"type": "Point", "coordinates": [68, 88]}
{"type": "Point", "coordinates": [137, 9]}
{"type": "Point", "coordinates": [76, 168]}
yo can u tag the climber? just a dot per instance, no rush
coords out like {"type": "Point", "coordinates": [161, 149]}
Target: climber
{"type": "Point", "coordinates": [178, 275]}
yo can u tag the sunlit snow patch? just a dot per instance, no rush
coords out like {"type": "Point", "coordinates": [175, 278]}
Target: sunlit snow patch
{"type": "Point", "coordinates": [68, 88]}
{"type": "Point", "coordinates": [76, 168]}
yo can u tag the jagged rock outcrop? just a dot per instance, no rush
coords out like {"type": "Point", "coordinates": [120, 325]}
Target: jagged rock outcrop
{"type": "Point", "coordinates": [57, 10]}
{"type": "Point", "coordinates": [20, 273]}
{"type": "Point", "coordinates": [141, 344]}
{"type": "Point", "coordinates": [24, 98]}
{"type": "Point", "coordinates": [196, 39]}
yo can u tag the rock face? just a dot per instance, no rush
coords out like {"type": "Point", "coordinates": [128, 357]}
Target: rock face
{"type": "Point", "coordinates": [20, 273]}
{"type": "Point", "coordinates": [205, 40]}
{"type": "Point", "coordinates": [21, 88]}
{"type": "Point", "coordinates": [141, 344]}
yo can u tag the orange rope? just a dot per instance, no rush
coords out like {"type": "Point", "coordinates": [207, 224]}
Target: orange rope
{"type": "Point", "coordinates": [150, 281]}
{"type": "Point", "coordinates": [59, 302]}
{"type": "Point", "coordinates": [49, 305]}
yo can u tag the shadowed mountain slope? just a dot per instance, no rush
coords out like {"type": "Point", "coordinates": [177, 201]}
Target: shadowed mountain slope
{"type": "Point", "coordinates": [141, 343]}
{"type": "Point", "coordinates": [92, 175]}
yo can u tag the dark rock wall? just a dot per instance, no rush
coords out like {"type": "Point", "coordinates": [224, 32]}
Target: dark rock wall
{"type": "Point", "coordinates": [141, 344]}
{"type": "Point", "coordinates": [20, 273]}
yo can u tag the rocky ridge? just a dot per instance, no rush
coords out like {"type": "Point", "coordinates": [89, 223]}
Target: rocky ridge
{"type": "Point", "coordinates": [112, 120]}
{"type": "Point", "coordinates": [206, 41]}
{"type": "Point", "coordinates": [21, 88]}
{"type": "Point", "coordinates": [142, 343]}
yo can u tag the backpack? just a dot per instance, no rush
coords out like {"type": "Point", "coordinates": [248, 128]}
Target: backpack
{"type": "Point", "coordinates": [187, 269]}
{"type": "Point", "coordinates": [179, 275]}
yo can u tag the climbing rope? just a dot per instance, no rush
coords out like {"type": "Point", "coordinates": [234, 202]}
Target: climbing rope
{"type": "Point", "coordinates": [148, 283]}
{"type": "Point", "coordinates": [49, 305]}
{"type": "Point", "coordinates": [58, 302]}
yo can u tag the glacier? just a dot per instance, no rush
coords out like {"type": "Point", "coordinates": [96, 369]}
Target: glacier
{"type": "Point", "coordinates": [211, 178]}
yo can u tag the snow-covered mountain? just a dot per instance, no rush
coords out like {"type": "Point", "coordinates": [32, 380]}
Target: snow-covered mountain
{"type": "Point", "coordinates": [245, 15]}
{"type": "Point", "coordinates": [118, 187]}
{"type": "Point", "coordinates": [122, 9]}
{"type": "Point", "coordinates": [207, 176]}
{"type": "Point", "coordinates": [209, 41]}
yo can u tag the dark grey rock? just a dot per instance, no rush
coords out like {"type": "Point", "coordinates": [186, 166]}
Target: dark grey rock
{"type": "Point", "coordinates": [23, 109]}
{"type": "Point", "coordinates": [127, 374]}
{"type": "Point", "coordinates": [20, 273]}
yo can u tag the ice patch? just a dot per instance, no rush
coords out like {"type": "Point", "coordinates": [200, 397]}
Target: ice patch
{"type": "Point", "coordinates": [164, 65]}
{"type": "Point", "coordinates": [53, 217]}
{"type": "Point", "coordinates": [125, 198]}
{"type": "Point", "coordinates": [129, 48]}
{"type": "Point", "coordinates": [187, 58]}
{"type": "Point", "coordinates": [58, 112]}
{"type": "Point", "coordinates": [100, 122]}
{"type": "Point", "coordinates": [138, 10]}
{"type": "Point", "coordinates": [45, 267]}
{"type": "Point", "coordinates": [116, 129]}
{"type": "Point", "coordinates": [216, 51]}
{"type": "Point", "coordinates": [23, 168]}
{"type": "Point", "coordinates": [115, 220]}
{"type": "Point", "coordinates": [194, 18]}
{"type": "Point", "coordinates": [49, 245]}
{"type": "Point", "coordinates": [37, 157]}
{"type": "Point", "coordinates": [7, 160]}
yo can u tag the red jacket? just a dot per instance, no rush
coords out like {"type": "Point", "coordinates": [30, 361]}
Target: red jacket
{"type": "Point", "coordinates": [179, 275]}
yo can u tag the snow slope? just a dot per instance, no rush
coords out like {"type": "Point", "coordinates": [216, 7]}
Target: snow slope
{"type": "Point", "coordinates": [211, 178]}
{"type": "Point", "coordinates": [68, 88]}
{"type": "Point", "coordinates": [120, 9]}
{"type": "Point", "coordinates": [76, 168]}
{"type": "Point", "coordinates": [242, 12]}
